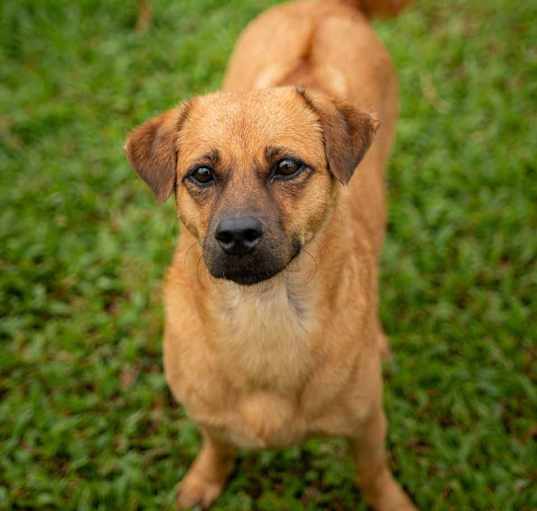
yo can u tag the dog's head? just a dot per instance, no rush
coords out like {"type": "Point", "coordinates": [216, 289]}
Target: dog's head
{"type": "Point", "coordinates": [254, 174]}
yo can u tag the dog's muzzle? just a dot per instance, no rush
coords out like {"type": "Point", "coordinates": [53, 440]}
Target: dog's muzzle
{"type": "Point", "coordinates": [242, 249]}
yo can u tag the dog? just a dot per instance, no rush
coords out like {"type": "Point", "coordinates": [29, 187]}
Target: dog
{"type": "Point", "coordinates": [272, 332]}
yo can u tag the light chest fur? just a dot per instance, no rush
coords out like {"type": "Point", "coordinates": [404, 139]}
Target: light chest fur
{"type": "Point", "coordinates": [265, 345]}
{"type": "Point", "coordinates": [268, 334]}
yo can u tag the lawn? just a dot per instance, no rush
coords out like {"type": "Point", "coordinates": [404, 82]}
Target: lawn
{"type": "Point", "coordinates": [86, 419]}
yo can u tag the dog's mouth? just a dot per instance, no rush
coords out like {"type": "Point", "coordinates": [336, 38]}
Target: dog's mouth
{"type": "Point", "coordinates": [251, 269]}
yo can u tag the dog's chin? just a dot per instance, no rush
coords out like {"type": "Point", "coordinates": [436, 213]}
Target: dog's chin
{"type": "Point", "coordinates": [245, 276]}
{"type": "Point", "coordinates": [249, 272]}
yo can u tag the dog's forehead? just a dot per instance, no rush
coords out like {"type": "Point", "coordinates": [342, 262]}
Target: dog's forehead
{"type": "Point", "coordinates": [245, 124]}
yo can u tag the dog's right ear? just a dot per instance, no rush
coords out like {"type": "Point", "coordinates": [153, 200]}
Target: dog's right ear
{"type": "Point", "coordinates": [152, 150]}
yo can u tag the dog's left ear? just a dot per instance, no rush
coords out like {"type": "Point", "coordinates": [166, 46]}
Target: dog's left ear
{"type": "Point", "coordinates": [347, 133]}
{"type": "Point", "coordinates": [152, 150]}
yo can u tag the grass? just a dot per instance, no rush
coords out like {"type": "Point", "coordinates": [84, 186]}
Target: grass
{"type": "Point", "coordinates": [86, 420]}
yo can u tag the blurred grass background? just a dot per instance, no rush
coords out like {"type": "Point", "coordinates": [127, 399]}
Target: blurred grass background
{"type": "Point", "coordinates": [86, 420]}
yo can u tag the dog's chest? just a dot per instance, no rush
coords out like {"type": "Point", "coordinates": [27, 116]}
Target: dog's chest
{"type": "Point", "coordinates": [264, 348]}
{"type": "Point", "coordinates": [263, 354]}
{"type": "Point", "coordinates": [267, 339]}
{"type": "Point", "coordinates": [263, 419]}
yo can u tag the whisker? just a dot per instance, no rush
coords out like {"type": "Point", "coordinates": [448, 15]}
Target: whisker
{"type": "Point", "coordinates": [315, 263]}
{"type": "Point", "coordinates": [291, 271]}
{"type": "Point", "coordinates": [185, 253]}
{"type": "Point", "coordinates": [198, 269]}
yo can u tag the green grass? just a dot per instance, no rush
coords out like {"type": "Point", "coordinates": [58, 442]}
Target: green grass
{"type": "Point", "coordinates": [86, 419]}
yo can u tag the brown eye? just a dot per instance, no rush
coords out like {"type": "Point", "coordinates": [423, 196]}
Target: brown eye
{"type": "Point", "coordinates": [287, 169]}
{"type": "Point", "coordinates": [202, 176]}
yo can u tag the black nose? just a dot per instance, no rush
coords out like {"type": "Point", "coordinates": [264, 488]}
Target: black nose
{"type": "Point", "coordinates": [239, 235]}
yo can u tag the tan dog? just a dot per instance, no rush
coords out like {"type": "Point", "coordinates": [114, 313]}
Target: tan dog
{"type": "Point", "coordinates": [272, 333]}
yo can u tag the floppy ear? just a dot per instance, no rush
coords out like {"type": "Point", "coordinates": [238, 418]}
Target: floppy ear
{"type": "Point", "coordinates": [152, 150]}
{"type": "Point", "coordinates": [347, 133]}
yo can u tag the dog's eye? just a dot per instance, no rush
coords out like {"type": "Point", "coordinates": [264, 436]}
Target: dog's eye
{"type": "Point", "coordinates": [202, 176]}
{"type": "Point", "coordinates": [287, 169]}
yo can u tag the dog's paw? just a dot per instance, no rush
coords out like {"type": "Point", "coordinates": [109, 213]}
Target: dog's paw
{"type": "Point", "coordinates": [196, 493]}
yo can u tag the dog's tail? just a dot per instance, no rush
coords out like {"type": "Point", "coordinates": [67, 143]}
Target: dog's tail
{"type": "Point", "coordinates": [380, 8]}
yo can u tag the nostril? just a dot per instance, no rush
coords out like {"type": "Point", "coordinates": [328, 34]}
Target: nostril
{"type": "Point", "coordinates": [251, 235]}
{"type": "Point", "coordinates": [225, 237]}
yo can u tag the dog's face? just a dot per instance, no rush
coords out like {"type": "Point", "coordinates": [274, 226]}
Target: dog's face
{"type": "Point", "coordinates": [255, 174]}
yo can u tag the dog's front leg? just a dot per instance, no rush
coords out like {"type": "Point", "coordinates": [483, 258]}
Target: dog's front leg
{"type": "Point", "coordinates": [206, 477]}
{"type": "Point", "coordinates": [375, 479]}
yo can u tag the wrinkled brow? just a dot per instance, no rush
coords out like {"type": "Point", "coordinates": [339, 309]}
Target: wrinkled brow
{"type": "Point", "coordinates": [212, 158]}
{"type": "Point", "coordinates": [273, 153]}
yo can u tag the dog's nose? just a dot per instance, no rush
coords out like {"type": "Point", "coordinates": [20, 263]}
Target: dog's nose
{"type": "Point", "coordinates": [239, 235]}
